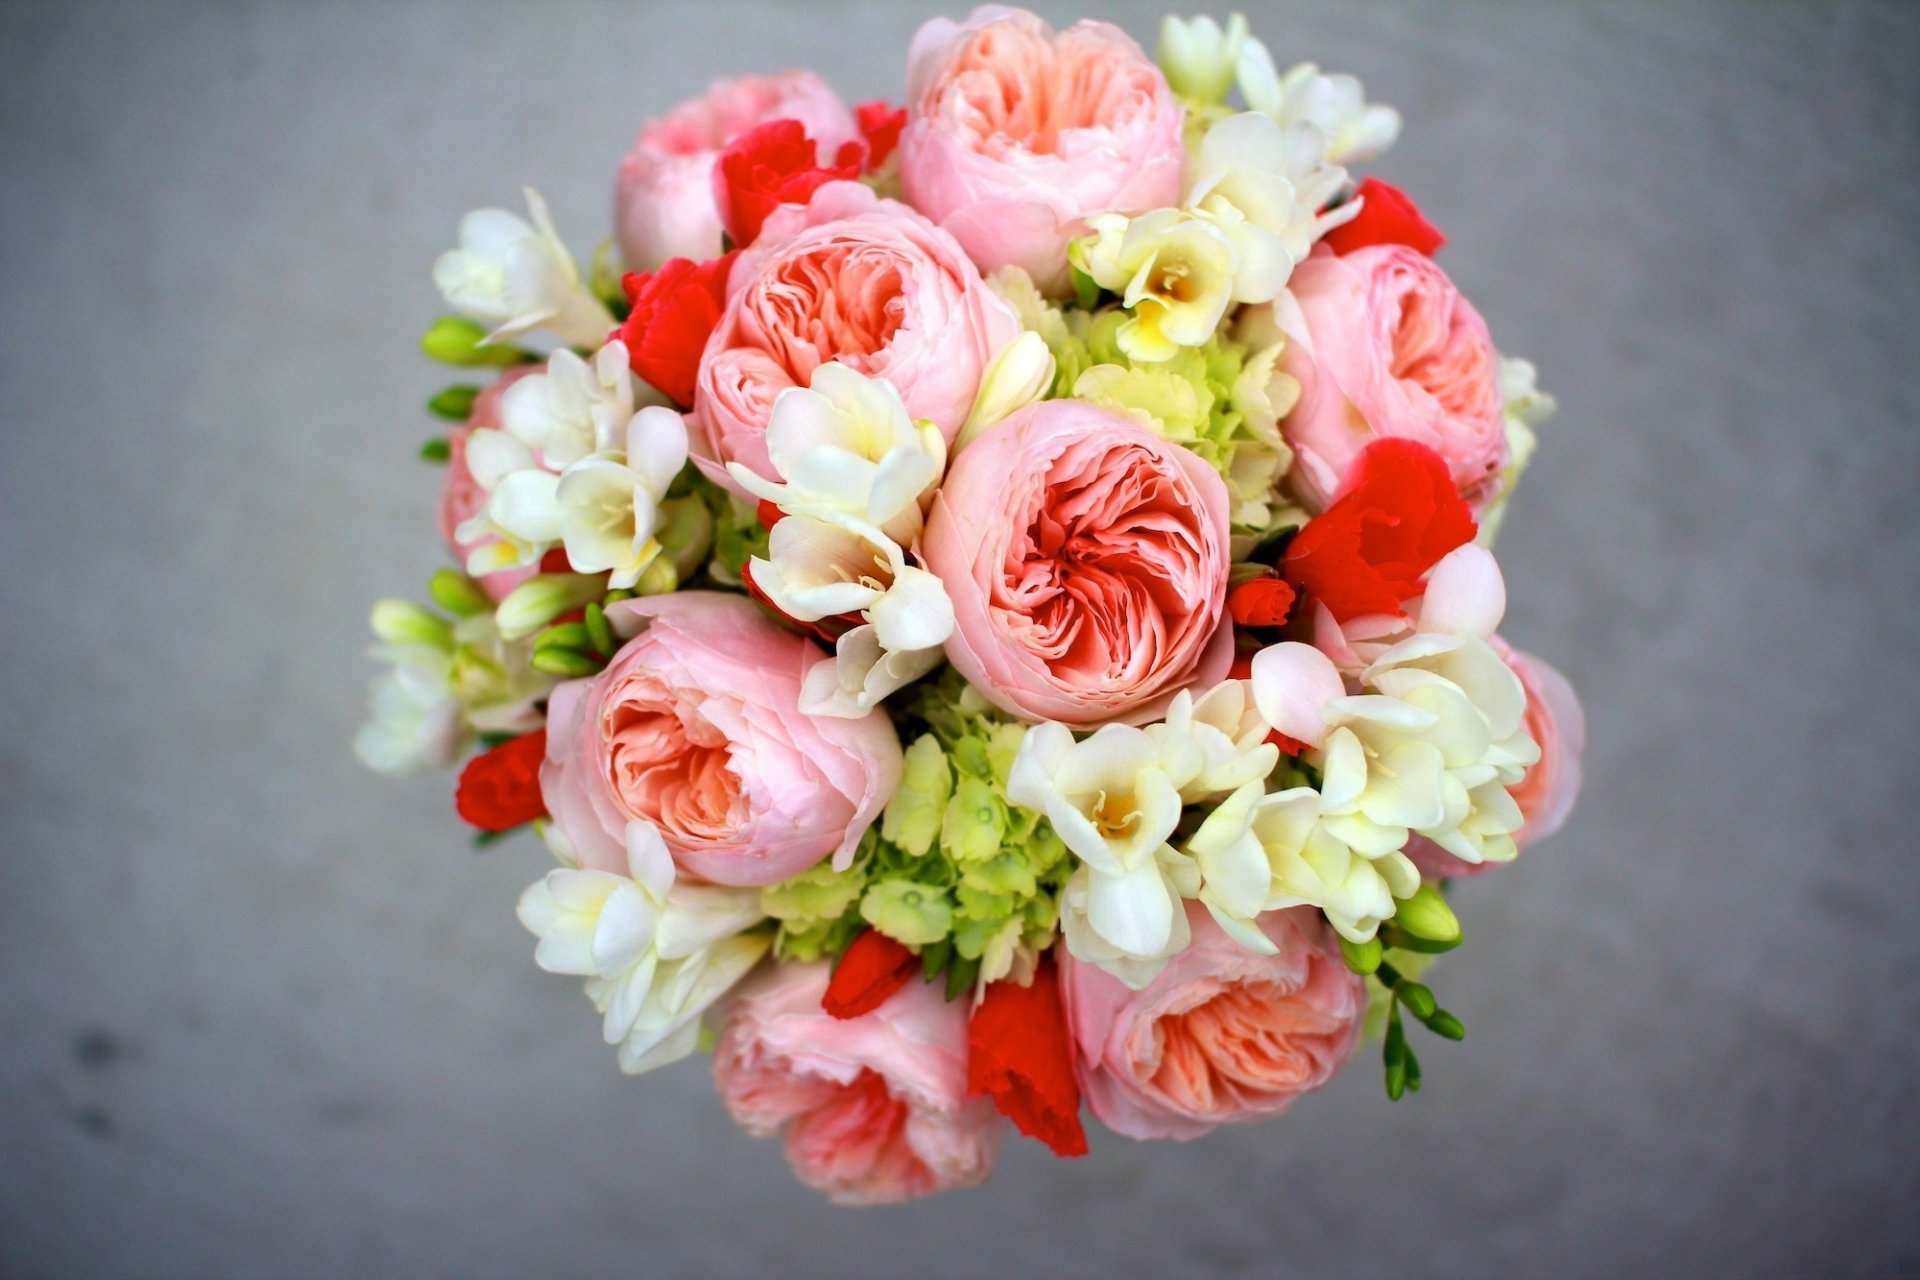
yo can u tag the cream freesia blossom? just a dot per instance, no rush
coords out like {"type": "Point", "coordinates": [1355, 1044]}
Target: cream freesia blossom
{"type": "Point", "coordinates": [1177, 272]}
{"type": "Point", "coordinates": [1265, 184]}
{"type": "Point", "coordinates": [822, 567]}
{"type": "Point", "coordinates": [1230, 734]}
{"type": "Point", "coordinates": [1201, 59]}
{"type": "Point", "coordinates": [656, 951]}
{"type": "Point", "coordinates": [517, 277]}
{"type": "Point", "coordinates": [449, 680]}
{"type": "Point", "coordinates": [862, 674]}
{"type": "Point", "coordinates": [844, 445]}
{"type": "Point", "coordinates": [1022, 373]}
{"type": "Point", "coordinates": [1355, 130]}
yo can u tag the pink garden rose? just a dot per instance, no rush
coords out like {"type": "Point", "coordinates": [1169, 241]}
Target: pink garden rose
{"type": "Point", "coordinates": [1087, 563]}
{"type": "Point", "coordinates": [1014, 134]}
{"type": "Point", "coordinates": [1384, 345]}
{"type": "Point", "coordinates": [1558, 723]}
{"type": "Point", "coordinates": [853, 278]}
{"type": "Point", "coordinates": [875, 1108]}
{"type": "Point", "coordinates": [461, 497]}
{"type": "Point", "coordinates": [663, 204]}
{"type": "Point", "coordinates": [1222, 1036]}
{"type": "Point", "coordinates": [695, 727]}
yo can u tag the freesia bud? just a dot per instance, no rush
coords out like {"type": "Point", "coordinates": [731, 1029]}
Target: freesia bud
{"type": "Point", "coordinates": [1426, 915]}
{"type": "Point", "coordinates": [404, 622]}
{"type": "Point", "coordinates": [455, 403]}
{"type": "Point", "coordinates": [1200, 59]}
{"type": "Point", "coordinates": [453, 340]}
{"type": "Point", "coordinates": [457, 593]}
{"type": "Point", "coordinates": [544, 597]}
{"type": "Point", "coordinates": [658, 578]}
{"type": "Point", "coordinates": [1021, 374]}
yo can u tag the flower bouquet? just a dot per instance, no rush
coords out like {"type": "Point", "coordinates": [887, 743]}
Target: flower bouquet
{"type": "Point", "coordinates": [990, 609]}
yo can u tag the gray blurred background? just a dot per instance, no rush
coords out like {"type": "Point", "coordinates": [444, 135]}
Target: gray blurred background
{"type": "Point", "coordinates": [262, 1014]}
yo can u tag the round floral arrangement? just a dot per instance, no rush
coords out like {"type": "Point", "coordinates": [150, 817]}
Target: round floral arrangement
{"type": "Point", "coordinates": [991, 609]}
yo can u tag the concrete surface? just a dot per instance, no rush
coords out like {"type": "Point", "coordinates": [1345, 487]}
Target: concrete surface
{"type": "Point", "coordinates": [266, 1015]}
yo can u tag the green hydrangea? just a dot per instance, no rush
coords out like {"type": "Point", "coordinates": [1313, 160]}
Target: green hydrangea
{"type": "Point", "coordinates": [952, 870]}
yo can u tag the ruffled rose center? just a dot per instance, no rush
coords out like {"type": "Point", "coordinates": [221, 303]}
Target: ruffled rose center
{"type": "Point", "coordinates": [843, 302]}
{"type": "Point", "coordinates": [1249, 1040]}
{"type": "Point", "coordinates": [1089, 584]}
{"type": "Point", "coordinates": [1014, 90]}
{"type": "Point", "coordinates": [1435, 351]}
{"type": "Point", "coordinates": [666, 764]}
{"type": "Point", "coordinates": [856, 1136]}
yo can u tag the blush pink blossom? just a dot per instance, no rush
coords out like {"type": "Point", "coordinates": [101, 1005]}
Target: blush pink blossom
{"type": "Point", "coordinates": [695, 727]}
{"type": "Point", "coordinates": [853, 278]}
{"type": "Point", "coordinates": [875, 1108]}
{"type": "Point", "coordinates": [1015, 134]}
{"type": "Point", "coordinates": [1223, 1035]}
{"type": "Point", "coordinates": [461, 497]}
{"type": "Point", "coordinates": [1384, 345]}
{"type": "Point", "coordinates": [1555, 720]}
{"type": "Point", "coordinates": [1086, 559]}
{"type": "Point", "coordinates": [663, 205]}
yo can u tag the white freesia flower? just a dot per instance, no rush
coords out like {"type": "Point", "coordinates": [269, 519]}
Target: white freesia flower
{"type": "Point", "coordinates": [862, 674]}
{"type": "Point", "coordinates": [449, 680]}
{"type": "Point", "coordinates": [845, 446]}
{"type": "Point", "coordinates": [1199, 57]}
{"type": "Point", "coordinates": [822, 567]}
{"type": "Point", "coordinates": [609, 503]}
{"type": "Point", "coordinates": [416, 717]}
{"type": "Point", "coordinates": [576, 408]}
{"type": "Point", "coordinates": [1230, 734]}
{"type": "Point", "coordinates": [656, 952]}
{"type": "Point", "coordinates": [1022, 373]}
{"type": "Point", "coordinates": [518, 277]}
{"type": "Point", "coordinates": [1307, 865]}
{"type": "Point", "coordinates": [1114, 800]}
{"type": "Point", "coordinates": [1236, 879]}
{"type": "Point", "coordinates": [1265, 185]}
{"type": "Point", "coordinates": [1335, 105]}
{"type": "Point", "coordinates": [1177, 272]}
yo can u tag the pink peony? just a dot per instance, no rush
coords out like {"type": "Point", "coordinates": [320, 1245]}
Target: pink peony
{"type": "Point", "coordinates": [462, 497]}
{"type": "Point", "coordinates": [695, 727]}
{"type": "Point", "coordinates": [1222, 1036]}
{"type": "Point", "coordinates": [1014, 134]}
{"type": "Point", "coordinates": [1557, 722]}
{"type": "Point", "coordinates": [1087, 563]}
{"type": "Point", "coordinates": [1384, 345]}
{"type": "Point", "coordinates": [853, 278]}
{"type": "Point", "coordinates": [875, 1108]}
{"type": "Point", "coordinates": [663, 204]}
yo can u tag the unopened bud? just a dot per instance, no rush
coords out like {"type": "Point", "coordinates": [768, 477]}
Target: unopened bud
{"type": "Point", "coordinates": [404, 622]}
{"type": "Point", "coordinates": [544, 597]}
{"type": "Point", "coordinates": [458, 594]}
{"type": "Point", "coordinates": [458, 341]}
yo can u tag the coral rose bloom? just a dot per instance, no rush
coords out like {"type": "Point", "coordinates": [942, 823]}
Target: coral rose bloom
{"type": "Point", "coordinates": [875, 1108]}
{"type": "Point", "coordinates": [663, 204]}
{"type": "Point", "coordinates": [1222, 1035]}
{"type": "Point", "coordinates": [853, 278]}
{"type": "Point", "coordinates": [1015, 134]}
{"type": "Point", "coordinates": [695, 727]}
{"type": "Point", "coordinates": [1087, 563]}
{"type": "Point", "coordinates": [1384, 345]}
{"type": "Point", "coordinates": [1555, 720]}
{"type": "Point", "coordinates": [461, 497]}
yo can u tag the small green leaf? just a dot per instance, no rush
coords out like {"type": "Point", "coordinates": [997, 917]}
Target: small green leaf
{"type": "Point", "coordinates": [437, 451]}
{"type": "Point", "coordinates": [455, 403]}
{"type": "Point", "coordinates": [482, 839]}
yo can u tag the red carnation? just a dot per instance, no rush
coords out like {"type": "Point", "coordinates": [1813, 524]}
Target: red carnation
{"type": "Point", "coordinates": [1261, 602]}
{"type": "Point", "coordinates": [872, 969]}
{"type": "Point", "coordinates": [880, 125]}
{"type": "Point", "coordinates": [673, 312]}
{"type": "Point", "coordinates": [1386, 216]}
{"type": "Point", "coordinates": [1368, 551]}
{"type": "Point", "coordinates": [1018, 1054]}
{"type": "Point", "coordinates": [770, 165]}
{"type": "Point", "coordinates": [500, 789]}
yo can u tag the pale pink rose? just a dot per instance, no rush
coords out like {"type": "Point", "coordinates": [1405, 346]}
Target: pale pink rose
{"type": "Point", "coordinates": [1384, 345]}
{"type": "Point", "coordinates": [695, 727]}
{"type": "Point", "coordinates": [461, 497]}
{"type": "Point", "coordinates": [1223, 1035]}
{"type": "Point", "coordinates": [1015, 134]}
{"type": "Point", "coordinates": [663, 203]}
{"type": "Point", "coordinates": [1087, 563]}
{"type": "Point", "coordinates": [875, 1108]}
{"type": "Point", "coordinates": [1555, 720]}
{"type": "Point", "coordinates": [854, 278]}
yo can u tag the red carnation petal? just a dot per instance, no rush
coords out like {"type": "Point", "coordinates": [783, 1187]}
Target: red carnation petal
{"type": "Point", "coordinates": [673, 311]}
{"type": "Point", "coordinates": [770, 165]}
{"type": "Point", "coordinates": [768, 514]}
{"type": "Point", "coordinates": [555, 561]}
{"type": "Point", "coordinates": [1386, 216]}
{"type": "Point", "coordinates": [1018, 1054]}
{"type": "Point", "coordinates": [500, 789]}
{"type": "Point", "coordinates": [1261, 602]}
{"type": "Point", "coordinates": [868, 974]}
{"type": "Point", "coordinates": [880, 125]}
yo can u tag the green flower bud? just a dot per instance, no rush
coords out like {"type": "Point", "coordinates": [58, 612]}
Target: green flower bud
{"type": "Point", "coordinates": [458, 341]}
{"type": "Point", "coordinates": [658, 578]}
{"type": "Point", "coordinates": [1427, 916]}
{"type": "Point", "coordinates": [567, 663]}
{"type": "Point", "coordinates": [455, 403]}
{"type": "Point", "coordinates": [544, 597]}
{"type": "Point", "coordinates": [1442, 1023]}
{"type": "Point", "coordinates": [404, 622]}
{"type": "Point", "coordinates": [599, 632]}
{"type": "Point", "coordinates": [562, 635]}
{"type": "Point", "coordinates": [907, 912]}
{"type": "Point", "coordinates": [1362, 957]}
{"type": "Point", "coordinates": [438, 451]}
{"type": "Point", "coordinates": [457, 593]}
{"type": "Point", "coordinates": [1418, 999]}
